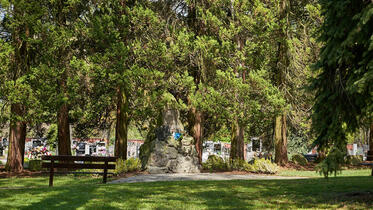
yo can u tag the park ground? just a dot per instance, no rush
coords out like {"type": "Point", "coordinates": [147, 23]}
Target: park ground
{"type": "Point", "coordinates": [353, 189]}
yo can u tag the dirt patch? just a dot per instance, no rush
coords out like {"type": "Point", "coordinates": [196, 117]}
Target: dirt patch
{"type": "Point", "coordinates": [22, 174]}
{"type": "Point", "coordinates": [226, 172]}
{"type": "Point", "coordinates": [129, 174]}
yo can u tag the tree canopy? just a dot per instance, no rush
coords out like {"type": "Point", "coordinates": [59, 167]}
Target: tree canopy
{"type": "Point", "coordinates": [234, 69]}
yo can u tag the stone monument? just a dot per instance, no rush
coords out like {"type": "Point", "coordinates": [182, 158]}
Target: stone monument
{"type": "Point", "coordinates": [171, 150]}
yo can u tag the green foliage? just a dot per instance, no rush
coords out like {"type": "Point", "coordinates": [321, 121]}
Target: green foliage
{"type": "Point", "coordinates": [129, 165]}
{"type": "Point", "coordinates": [299, 141]}
{"type": "Point", "coordinates": [52, 136]}
{"type": "Point", "coordinates": [299, 160]}
{"type": "Point", "coordinates": [238, 165]}
{"type": "Point", "coordinates": [35, 165]}
{"type": "Point", "coordinates": [332, 163]}
{"type": "Point", "coordinates": [344, 173]}
{"type": "Point", "coordinates": [354, 160]}
{"type": "Point", "coordinates": [344, 71]}
{"type": "Point", "coordinates": [215, 163]}
{"type": "Point", "coordinates": [217, 57]}
{"type": "Point", "coordinates": [18, 25]}
{"type": "Point", "coordinates": [263, 166]}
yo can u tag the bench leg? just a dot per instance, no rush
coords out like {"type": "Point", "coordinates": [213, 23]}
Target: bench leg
{"type": "Point", "coordinates": [105, 173]}
{"type": "Point", "coordinates": [51, 174]}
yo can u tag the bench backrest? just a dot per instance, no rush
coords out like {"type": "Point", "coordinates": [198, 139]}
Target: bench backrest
{"type": "Point", "coordinates": [65, 161]}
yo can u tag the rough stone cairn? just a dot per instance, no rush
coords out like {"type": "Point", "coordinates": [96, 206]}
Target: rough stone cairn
{"type": "Point", "coordinates": [171, 150]}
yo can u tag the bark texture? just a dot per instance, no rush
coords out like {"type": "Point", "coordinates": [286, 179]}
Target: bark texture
{"type": "Point", "coordinates": [281, 156]}
{"type": "Point", "coordinates": [20, 66]}
{"type": "Point", "coordinates": [17, 139]}
{"type": "Point", "coordinates": [238, 143]}
{"type": "Point", "coordinates": [282, 64]}
{"type": "Point", "coordinates": [63, 135]}
{"type": "Point", "coordinates": [197, 131]}
{"type": "Point", "coordinates": [371, 137]}
{"type": "Point", "coordinates": [121, 128]}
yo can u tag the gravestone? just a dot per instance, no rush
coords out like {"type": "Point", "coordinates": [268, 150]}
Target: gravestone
{"type": "Point", "coordinates": [171, 150]}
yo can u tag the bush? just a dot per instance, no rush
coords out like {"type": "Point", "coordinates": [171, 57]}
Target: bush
{"type": "Point", "coordinates": [354, 160]}
{"type": "Point", "coordinates": [237, 164]}
{"type": "Point", "coordinates": [332, 163]}
{"type": "Point", "coordinates": [26, 163]}
{"type": "Point", "coordinates": [299, 160]}
{"type": "Point", "coordinates": [129, 165]}
{"type": "Point", "coordinates": [262, 166]}
{"type": "Point", "coordinates": [215, 163]}
{"type": "Point", "coordinates": [34, 165]}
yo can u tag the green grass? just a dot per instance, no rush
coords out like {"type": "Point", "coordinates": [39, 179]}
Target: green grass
{"type": "Point", "coordinates": [88, 193]}
{"type": "Point", "coordinates": [345, 173]}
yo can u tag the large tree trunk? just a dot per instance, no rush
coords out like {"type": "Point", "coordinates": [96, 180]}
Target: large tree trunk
{"type": "Point", "coordinates": [121, 129]}
{"type": "Point", "coordinates": [371, 137]}
{"type": "Point", "coordinates": [17, 137]}
{"type": "Point", "coordinates": [197, 131]}
{"type": "Point", "coordinates": [279, 135]}
{"type": "Point", "coordinates": [237, 142]}
{"type": "Point", "coordinates": [370, 152]}
{"type": "Point", "coordinates": [17, 130]}
{"type": "Point", "coordinates": [63, 135]}
{"type": "Point", "coordinates": [63, 128]}
{"type": "Point", "coordinates": [279, 132]}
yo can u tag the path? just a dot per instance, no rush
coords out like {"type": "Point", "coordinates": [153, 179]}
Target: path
{"type": "Point", "coordinates": [195, 177]}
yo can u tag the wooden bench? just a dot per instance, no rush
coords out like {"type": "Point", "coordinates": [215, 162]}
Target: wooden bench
{"type": "Point", "coordinates": [67, 162]}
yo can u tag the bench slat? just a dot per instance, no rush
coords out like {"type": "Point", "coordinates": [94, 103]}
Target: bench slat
{"type": "Point", "coordinates": [79, 158]}
{"type": "Point", "coordinates": [367, 164]}
{"type": "Point", "coordinates": [78, 165]}
{"type": "Point", "coordinates": [82, 172]}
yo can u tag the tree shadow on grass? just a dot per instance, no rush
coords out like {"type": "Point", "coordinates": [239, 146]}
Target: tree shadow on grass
{"type": "Point", "coordinates": [34, 193]}
{"type": "Point", "coordinates": [306, 193]}
{"type": "Point", "coordinates": [237, 194]}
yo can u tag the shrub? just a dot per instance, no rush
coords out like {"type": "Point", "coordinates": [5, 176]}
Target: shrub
{"type": "Point", "coordinates": [354, 160]}
{"type": "Point", "coordinates": [299, 160]}
{"type": "Point", "coordinates": [215, 163]}
{"type": "Point", "coordinates": [34, 165]}
{"type": "Point", "coordinates": [238, 165]}
{"type": "Point", "coordinates": [133, 164]}
{"type": "Point", "coordinates": [332, 163]}
{"type": "Point", "coordinates": [262, 166]}
{"type": "Point", "coordinates": [129, 165]}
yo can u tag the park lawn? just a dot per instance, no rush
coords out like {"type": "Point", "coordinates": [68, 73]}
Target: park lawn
{"type": "Point", "coordinates": [344, 173]}
{"type": "Point", "coordinates": [87, 193]}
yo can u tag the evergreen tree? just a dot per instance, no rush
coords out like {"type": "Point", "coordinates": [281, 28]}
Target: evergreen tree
{"type": "Point", "coordinates": [59, 79]}
{"type": "Point", "coordinates": [18, 55]}
{"type": "Point", "coordinates": [228, 65]}
{"type": "Point", "coordinates": [126, 55]}
{"type": "Point", "coordinates": [294, 49]}
{"type": "Point", "coordinates": [343, 85]}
